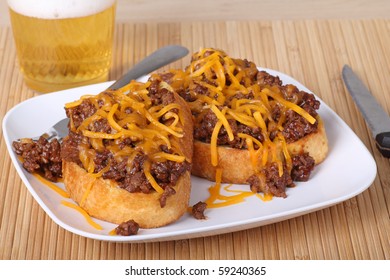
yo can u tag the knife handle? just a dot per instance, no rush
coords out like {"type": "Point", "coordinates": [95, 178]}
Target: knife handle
{"type": "Point", "coordinates": [383, 143]}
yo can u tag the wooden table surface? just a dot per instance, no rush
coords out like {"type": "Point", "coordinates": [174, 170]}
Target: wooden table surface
{"type": "Point", "coordinates": [313, 52]}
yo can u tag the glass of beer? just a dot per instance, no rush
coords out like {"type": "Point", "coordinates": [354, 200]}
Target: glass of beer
{"type": "Point", "coordinates": [63, 43]}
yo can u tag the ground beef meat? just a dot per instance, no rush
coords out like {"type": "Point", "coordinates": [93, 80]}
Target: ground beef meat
{"type": "Point", "coordinates": [256, 183]}
{"type": "Point", "coordinates": [276, 184]}
{"type": "Point", "coordinates": [180, 88]}
{"type": "Point", "coordinates": [248, 67]}
{"type": "Point", "coordinates": [204, 130]}
{"type": "Point", "coordinates": [160, 95]}
{"type": "Point", "coordinates": [126, 142]}
{"type": "Point", "coordinates": [302, 166]}
{"type": "Point", "coordinates": [255, 132]}
{"type": "Point", "coordinates": [168, 172]}
{"type": "Point", "coordinates": [136, 182]}
{"type": "Point", "coordinates": [41, 156]}
{"type": "Point", "coordinates": [100, 125]}
{"type": "Point", "coordinates": [296, 127]}
{"type": "Point", "coordinates": [161, 171]}
{"type": "Point", "coordinates": [102, 159]}
{"type": "Point", "coordinates": [310, 104]}
{"type": "Point", "coordinates": [303, 99]}
{"type": "Point", "coordinates": [127, 228]}
{"type": "Point", "coordinates": [167, 77]}
{"type": "Point", "coordinates": [117, 170]}
{"type": "Point", "coordinates": [69, 147]}
{"type": "Point", "coordinates": [186, 95]}
{"type": "Point", "coordinates": [292, 94]}
{"type": "Point", "coordinates": [223, 136]}
{"type": "Point", "coordinates": [168, 191]}
{"type": "Point", "coordinates": [132, 180]}
{"type": "Point", "coordinates": [271, 183]}
{"type": "Point", "coordinates": [198, 210]}
{"type": "Point", "coordinates": [81, 112]}
{"type": "Point", "coordinates": [264, 78]}
{"type": "Point", "coordinates": [199, 89]}
{"type": "Point", "coordinates": [276, 112]}
{"type": "Point", "coordinates": [269, 180]}
{"type": "Point", "coordinates": [240, 95]}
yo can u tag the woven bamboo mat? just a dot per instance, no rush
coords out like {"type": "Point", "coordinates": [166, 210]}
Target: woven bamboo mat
{"type": "Point", "coordinates": [313, 52]}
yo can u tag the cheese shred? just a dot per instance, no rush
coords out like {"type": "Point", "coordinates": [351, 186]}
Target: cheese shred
{"type": "Point", "coordinates": [82, 212]}
{"type": "Point", "coordinates": [213, 144]}
{"type": "Point", "coordinates": [52, 186]}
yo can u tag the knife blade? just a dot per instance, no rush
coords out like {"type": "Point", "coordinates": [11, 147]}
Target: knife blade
{"type": "Point", "coordinates": [152, 62]}
{"type": "Point", "coordinates": [376, 118]}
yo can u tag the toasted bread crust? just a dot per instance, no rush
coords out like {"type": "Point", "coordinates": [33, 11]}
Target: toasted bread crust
{"type": "Point", "coordinates": [105, 200]}
{"type": "Point", "coordinates": [236, 163]}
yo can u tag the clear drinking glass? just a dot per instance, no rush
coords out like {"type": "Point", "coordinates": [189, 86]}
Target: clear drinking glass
{"type": "Point", "coordinates": [63, 43]}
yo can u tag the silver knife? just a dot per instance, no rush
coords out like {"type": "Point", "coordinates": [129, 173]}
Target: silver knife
{"type": "Point", "coordinates": [377, 119]}
{"type": "Point", "coordinates": [152, 62]}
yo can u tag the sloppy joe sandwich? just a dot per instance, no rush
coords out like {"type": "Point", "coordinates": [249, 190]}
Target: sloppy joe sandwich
{"type": "Point", "coordinates": [249, 128]}
{"type": "Point", "coordinates": [128, 154]}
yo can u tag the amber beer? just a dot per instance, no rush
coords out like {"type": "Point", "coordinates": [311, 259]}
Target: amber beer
{"type": "Point", "coordinates": [63, 43]}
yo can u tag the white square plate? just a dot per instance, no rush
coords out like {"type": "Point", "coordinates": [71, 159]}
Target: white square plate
{"type": "Point", "coordinates": [348, 170]}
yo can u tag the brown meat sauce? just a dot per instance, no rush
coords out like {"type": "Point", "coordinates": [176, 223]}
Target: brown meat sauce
{"type": "Point", "coordinates": [46, 157]}
{"type": "Point", "coordinates": [129, 177]}
{"type": "Point", "coordinates": [127, 228]}
{"type": "Point", "coordinates": [295, 126]}
{"type": "Point", "coordinates": [40, 156]}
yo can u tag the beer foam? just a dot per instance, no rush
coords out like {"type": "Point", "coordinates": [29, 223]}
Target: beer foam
{"type": "Point", "coordinates": [57, 9]}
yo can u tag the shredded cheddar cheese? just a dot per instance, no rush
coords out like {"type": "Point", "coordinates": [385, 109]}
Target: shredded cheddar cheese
{"type": "Point", "coordinates": [221, 116]}
{"type": "Point", "coordinates": [82, 212]}
{"type": "Point", "coordinates": [213, 144]}
{"type": "Point", "coordinates": [217, 200]}
{"type": "Point", "coordinates": [224, 80]}
{"type": "Point", "coordinates": [129, 113]}
{"type": "Point", "coordinates": [150, 178]}
{"type": "Point", "coordinates": [52, 186]}
{"type": "Point", "coordinates": [215, 190]}
{"type": "Point", "coordinates": [221, 84]}
{"type": "Point", "coordinates": [265, 197]}
{"type": "Point", "coordinates": [290, 105]}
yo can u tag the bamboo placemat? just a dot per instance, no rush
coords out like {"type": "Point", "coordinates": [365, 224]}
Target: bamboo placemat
{"type": "Point", "coordinates": [313, 52]}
